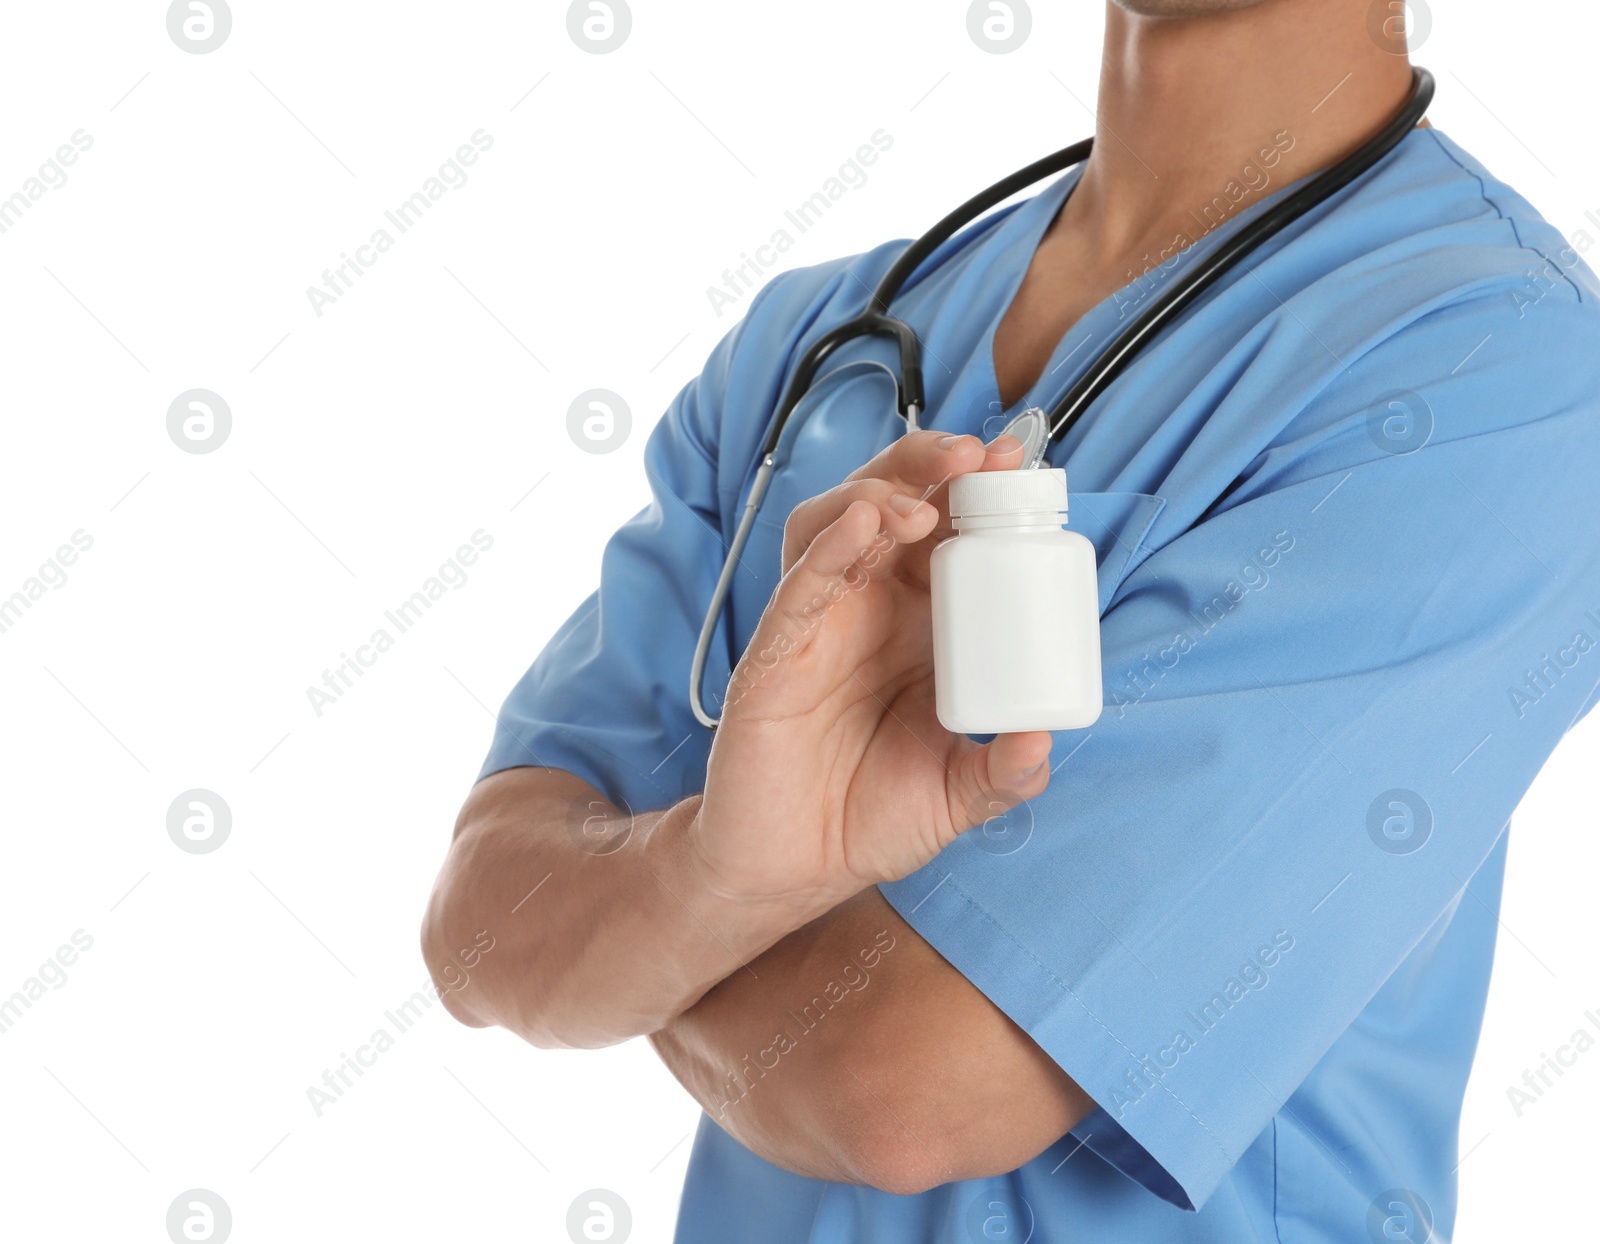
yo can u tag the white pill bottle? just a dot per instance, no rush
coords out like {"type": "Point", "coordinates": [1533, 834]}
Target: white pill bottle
{"type": "Point", "coordinates": [1016, 609]}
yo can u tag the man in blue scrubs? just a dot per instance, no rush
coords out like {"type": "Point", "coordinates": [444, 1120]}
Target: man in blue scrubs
{"type": "Point", "coordinates": [1213, 969]}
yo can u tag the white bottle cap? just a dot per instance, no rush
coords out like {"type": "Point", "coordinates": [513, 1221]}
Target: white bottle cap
{"type": "Point", "coordinates": [1009, 492]}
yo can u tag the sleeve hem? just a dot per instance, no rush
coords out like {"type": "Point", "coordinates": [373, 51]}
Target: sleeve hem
{"type": "Point", "coordinates": [1163, 1145]}
{"type": "Point", "coordinates": [511, 750]}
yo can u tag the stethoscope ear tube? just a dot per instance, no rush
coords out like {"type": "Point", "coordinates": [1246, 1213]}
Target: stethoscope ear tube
{"type": "Point", "coordinates": [771, 460]}
{"type": "Point", "coordinates": [908, 385]}
{"type": "Point", "coordinates": [719, 594]}
{"type": "Point", "coordinates": [875, 320]}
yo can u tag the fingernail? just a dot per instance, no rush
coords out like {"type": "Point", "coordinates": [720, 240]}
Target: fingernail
{"type": "Point", "coordinates": [1000, 444]}
{"type": "Point", "coordinates": [950, 442]}
{"type": "Point", "coordinates": [903, 505]}
{"type": "Point", "coordinates": [1027, 773]}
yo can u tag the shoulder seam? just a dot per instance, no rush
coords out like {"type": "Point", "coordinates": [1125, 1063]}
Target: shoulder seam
{"type": "Point", "coordinates": [1483, 193]}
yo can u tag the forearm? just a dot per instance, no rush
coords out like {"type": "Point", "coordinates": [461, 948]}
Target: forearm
{"type": "Point", "coordinates": [589, 948]}
{"type": "Point", "coordinates": [782, 1059]}
{"type": "Point", "coordinates": [856, 1053]}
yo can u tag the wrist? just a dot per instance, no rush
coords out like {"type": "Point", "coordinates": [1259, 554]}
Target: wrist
{"type": "Point", "coordinates": [684, 865]}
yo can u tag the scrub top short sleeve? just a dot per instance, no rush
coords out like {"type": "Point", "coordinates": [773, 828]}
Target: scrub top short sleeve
{"type": "Point", "coordinates": [1323, 701]}
{"type": "Point", "coordinates": [599, 701]}
{"type": "Point", "coordinates": [1349, 549]}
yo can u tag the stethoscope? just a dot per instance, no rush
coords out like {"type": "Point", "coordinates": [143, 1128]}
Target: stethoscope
{"type": "Point", "coordinates": [1037, 429]}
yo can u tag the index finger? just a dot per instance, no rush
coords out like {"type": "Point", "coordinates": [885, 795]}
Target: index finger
{"type": "Point", "coordinates": [922, 461]}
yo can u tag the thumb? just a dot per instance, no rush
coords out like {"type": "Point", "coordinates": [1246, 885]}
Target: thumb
{"type": "Point", "coordinates": [990, 780]}
{"type": "Point", "coordinates": [1004, 453]}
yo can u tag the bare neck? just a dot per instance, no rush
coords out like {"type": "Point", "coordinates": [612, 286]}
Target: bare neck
{"type": "Point", "coordinates": [1188, 105]}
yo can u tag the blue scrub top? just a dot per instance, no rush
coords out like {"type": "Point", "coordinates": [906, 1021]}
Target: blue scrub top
{"type": "Point", "coordinates": [1349, 558]}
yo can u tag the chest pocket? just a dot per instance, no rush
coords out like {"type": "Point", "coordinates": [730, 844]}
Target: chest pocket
{"type": "Point", "coordinates": [1117, 524]}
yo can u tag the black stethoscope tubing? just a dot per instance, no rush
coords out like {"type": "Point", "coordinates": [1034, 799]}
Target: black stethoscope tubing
{"type": "Point", "coordinates": [875, 320]}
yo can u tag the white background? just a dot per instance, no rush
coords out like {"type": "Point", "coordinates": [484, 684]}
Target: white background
{"type": "Point", "coordinates": [369, 442]}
